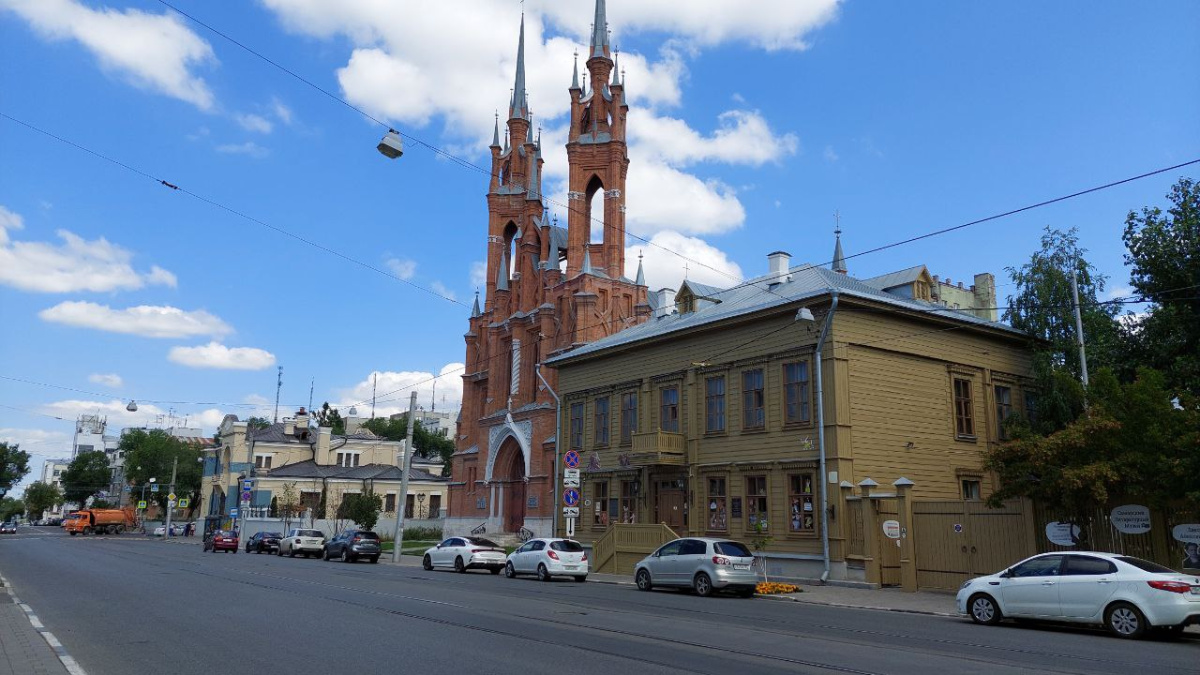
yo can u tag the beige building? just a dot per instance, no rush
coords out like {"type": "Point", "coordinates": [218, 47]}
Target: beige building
{"type": "Point", "coordinates": [706, 417]}
{"type": "Point", "coordinates": [318, 466]}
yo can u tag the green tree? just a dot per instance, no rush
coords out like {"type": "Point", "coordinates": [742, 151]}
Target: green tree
{"type": "Point", "coordinates": [11, 508]}
{"type": "Point", "coordinates": [362, 508]}
{"type": "Point", "coordinates": [254, 423]}
{"type": "Point", "coordinates": [1164, 260]}
{"type": "Point", "coordinates": [427, 444]}
{"type": "Point", "coordinates": [87, 475]}
{"type": "Point", "coordinates": [1134, 442]}
{"type": "Point", "coordinates": [150, 454]}
{"type": "Point", "coordinates": [330, 417]}
{"type": "Point", "coordinates": [14, 464]}
{"type": "Point", "coordinates": [41, 497]}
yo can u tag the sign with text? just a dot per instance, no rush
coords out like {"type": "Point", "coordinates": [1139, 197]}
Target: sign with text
{"type": "Point", "coordinates": [1131, 519]}
{"type": "Point", "coordinates": [1062, 534]}
{"type": "Point", "coordinates": [1188, 533]}
{"type": "Point", "coordinates": [571, 473]}
{"type": "Point", "coordinates": [891, 529]}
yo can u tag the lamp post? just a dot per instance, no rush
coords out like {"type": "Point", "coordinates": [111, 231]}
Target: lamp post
{"type": "Point", "coordinates": [142, 512]}
{"type": "Point", "coordinates": [420, 514]}
{"type": "Point", "coordinates": [405, 469]}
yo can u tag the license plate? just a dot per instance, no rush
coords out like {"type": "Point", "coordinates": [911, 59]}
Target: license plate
{"type": "Point", "coordinates": [741, 567]}
{"type": "Point", "coordinates": [570, 567]}
{"type": "Point", "coordinates": [1195, 590]}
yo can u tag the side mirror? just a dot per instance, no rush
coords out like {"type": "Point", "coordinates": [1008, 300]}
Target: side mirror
{"type": "Point", "coordinates": [1006, 573]}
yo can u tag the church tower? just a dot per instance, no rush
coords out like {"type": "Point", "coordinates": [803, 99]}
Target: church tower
{"type": "Point", "coordinates": [549, 288]}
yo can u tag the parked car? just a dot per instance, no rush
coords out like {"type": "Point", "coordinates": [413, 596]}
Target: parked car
{"type": "Point", "coordinates": [8, 528]}
{"type": "Point", "coordinates": [701, 563]}
{"type": "Point", "coordinates": [464, 553]}
{"type": "Point", "coordinates": [305, 542]}
{"type": "Point", "coordinates": [176, 531]}
{"type": "Point", "coordinates": [264, 541]}
{"type": "Point", "coordinates": [222, 541]}
{"type": "Point", "coordinates": [1126, 595]}
{"type": "Point", "coordinates": [352, 545]}
{"type": "Point", "coordinates": [548, 558]}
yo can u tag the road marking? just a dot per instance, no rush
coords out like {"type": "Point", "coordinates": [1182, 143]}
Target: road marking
{"type": "Point", "coordinates": [60, 651]}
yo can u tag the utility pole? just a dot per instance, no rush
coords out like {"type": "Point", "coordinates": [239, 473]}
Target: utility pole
{"type": "Point", "coordinates": [278, 386]}
{"type": "Point", "coordinates": [1083, 373]}
{"type": "Point", "coordinates": [170, 503]}
{"type": "Point", "coordinates": [405, 468]}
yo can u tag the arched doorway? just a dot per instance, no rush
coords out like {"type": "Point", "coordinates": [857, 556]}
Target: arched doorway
{"type": "Point", "coordinates": [510, 472]}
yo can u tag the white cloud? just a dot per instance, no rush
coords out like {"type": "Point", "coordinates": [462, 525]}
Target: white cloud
{"type": "Point", "coordinates": [830, 155]}
{"type": "Point", "coordinates": [217, 356]}
{"type": "Point", "coordinates": [281, 111]}
{"type": "Point", "coordinates": [144, 320]}
{"type": "Point", "coordinates": [706, 264]}
{"type": "Point", "coordinates": [74, 265]}
{"type": "Point", "coordinates": [669, 199]}
{"type": "Point", "coordinates": [479, 274]}
{"type": "Point", "coordinates": [249, 148]}
{"type": "Point", "coordinates": [255, 123]}
{"type": "Point", "coordinates": [1121, 292]}
{"type": "Point", "coordinates": [442, 290]}
{"type": "Point", "coordinates": [393, 389]}
{"type": "Point", "coordinates": [153, 51]}
{"type": "Point", "coordinates": [403, 269]}
{"type": "Point", "coordinates": [742, 137]}
{"type": "Point", "coordinates": [111, 380]}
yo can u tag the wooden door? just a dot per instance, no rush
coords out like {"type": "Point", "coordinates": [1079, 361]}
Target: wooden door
{"type": "Point", "coordinates": [669, 505]}
{"type": "Point", "coordinates": [514, 506]}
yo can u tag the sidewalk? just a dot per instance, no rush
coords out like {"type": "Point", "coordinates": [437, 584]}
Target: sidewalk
{"type": "Point", "coordinates": [23, 649]}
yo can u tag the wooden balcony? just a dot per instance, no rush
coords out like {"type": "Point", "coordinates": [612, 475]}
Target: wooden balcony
{"type": "Point", "coordinates": [657, 447]}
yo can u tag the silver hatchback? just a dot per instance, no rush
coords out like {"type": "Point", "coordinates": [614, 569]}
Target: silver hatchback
{"type": "Point", "coordinates": [701, 563]}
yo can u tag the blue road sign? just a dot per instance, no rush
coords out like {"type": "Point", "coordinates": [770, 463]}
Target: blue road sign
{"type": "Point", "coordinates": [233, 512]}
{"type": "Point", "coordinates": [571, 459]}
{"type": "Point", "coordinates": [154, 487]}
{"type": "Point", "coordinates": [571, 497]}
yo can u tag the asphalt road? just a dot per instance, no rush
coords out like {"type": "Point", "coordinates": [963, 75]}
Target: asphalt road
{"type": "Point", "coordinates": [134, 605]}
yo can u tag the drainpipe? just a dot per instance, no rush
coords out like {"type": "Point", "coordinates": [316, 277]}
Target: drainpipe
{"type": "Point", "coordinates": [557, 442]}
{"type": "Point", "coordinates": [821, 435]}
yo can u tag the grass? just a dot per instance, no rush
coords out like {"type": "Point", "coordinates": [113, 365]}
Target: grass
{"type": "Point", "coordinates": [411, 547]}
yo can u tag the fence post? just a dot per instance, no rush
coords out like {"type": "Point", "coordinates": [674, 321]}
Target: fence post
{"type": "Point", "coordinates": [871, 555]}
{"type": "Point", "coordinates": [908, 563]}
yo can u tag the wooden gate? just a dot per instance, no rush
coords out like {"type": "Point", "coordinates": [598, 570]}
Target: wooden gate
{"type": "Point", "coordinates": [889, 549]}
{"type": "Point", "coordinates": [957, 540]}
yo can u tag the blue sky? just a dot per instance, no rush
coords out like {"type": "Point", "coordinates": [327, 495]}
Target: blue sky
{"type": "Point", "coordinates": [748, 131]}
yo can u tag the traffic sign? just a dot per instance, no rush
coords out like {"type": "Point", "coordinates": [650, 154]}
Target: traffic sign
{"type": "Point", "coordinates": [183, 503]}
{"type": "Point", "coordinates": [571, 459]}
{"type": "Point", "coordinates": [247, 485]}
{"type": "Point", "coordinates": [171, 504]}
{"type": "Point", "coordinates": [129, 488]}
{"type": "Point", "coordinates": [570, 482]}
{"type": "Point", "coordinates": [171, 497]}
{"type": "Point", "coordinates": [142, 504]}
{"type": "Point", "coordinates": [245, 495]}
{"type": "Point", "coordinates": [154, 487]}
{"type": "Point", "coordinates": [571, 496]}
{"type": "Point", "coordinates": [571, 473]}
{"type": "Point", "coordinates": [571, 511]}
{"type": "Point", "coordinates": [233, 512]}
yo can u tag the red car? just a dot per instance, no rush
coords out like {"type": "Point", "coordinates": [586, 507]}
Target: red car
{"type": "Point", "coordinates": [221, 541]}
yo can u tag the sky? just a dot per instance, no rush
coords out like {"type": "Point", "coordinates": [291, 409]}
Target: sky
{"type": "Point", "coordinates": [292, 243]}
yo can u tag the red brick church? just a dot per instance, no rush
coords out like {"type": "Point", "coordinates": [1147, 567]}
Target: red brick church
{"type": "Point", "coordinates": [549, 288]}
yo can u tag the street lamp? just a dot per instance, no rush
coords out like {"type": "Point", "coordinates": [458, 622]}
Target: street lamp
{"type": "Point", "coordinates": [132, 407]}
{"type": "Point", "coordinates": [420, 506]}
{"type": "Point", "coordinates": [392, 146]}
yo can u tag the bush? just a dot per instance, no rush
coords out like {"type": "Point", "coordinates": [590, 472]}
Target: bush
{"type": "Point", "coordinates": [422, 534]}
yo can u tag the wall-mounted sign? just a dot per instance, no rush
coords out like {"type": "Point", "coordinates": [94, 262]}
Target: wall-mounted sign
{"type": "Point", "coordinates": [1188, 533]}
{"type": "Point", "coordinates": [532, 501]}
{"type": "Point", "coordinates": [1131, 519]}
{"type": "Point", "coordinates": [1061, 533]}
{"type": "Point", "coordinates": [891, 529]}
{"type": "Point", "coordinates": [735, 505]}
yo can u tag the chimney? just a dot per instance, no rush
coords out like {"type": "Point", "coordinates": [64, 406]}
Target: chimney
{"type": "Point", "coordinates": [665, 302]}
{"type": "Point", "coordinates": [778, 264]}
{"type": "Point", "coordinates": [301, 422]}
{"type": "Point", "coordinates": [289, 427]}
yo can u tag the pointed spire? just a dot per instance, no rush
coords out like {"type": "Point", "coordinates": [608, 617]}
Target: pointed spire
{"type": "Point", "coordinates": [839, 259]}
{"type": "Point", "coordinates": [587, 260]}
{"type": "Point", "coordinates": [496, 133]}
{"type": "Point", "coordinates": [475, 309]}
{"type": "Point", "coordinates": [519, 104]}
{"type": "Point", "coordinates": [600, 31]}
{"type": "Point", "coordinates": [502, 273]}
{"type": "Point", "coordinates": [575, 74]}
{"type": "Point", "coordinates": [641, 276]}
{"type": "Point", "coordinates": [616, 71]}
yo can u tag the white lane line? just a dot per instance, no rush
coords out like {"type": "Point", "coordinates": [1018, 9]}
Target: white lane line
{"type": "Point", "coordinates": [72, 666]}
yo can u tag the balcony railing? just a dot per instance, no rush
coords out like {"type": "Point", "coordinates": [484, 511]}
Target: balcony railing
{"type": "Point", "coordinates": [657, 447]}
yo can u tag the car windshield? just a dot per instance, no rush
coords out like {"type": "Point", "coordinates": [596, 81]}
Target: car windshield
{"type": "Point", "coordinates": [272, 535]}
{"type": "Point", "coordinates": [309, 533]}
{"type": "Point", "coordinates": [366, 535]}
{"type": "Point", "coordinates": [1146, 565]}
{"type": "Point", "coordinates": [567, 546]}
{"type": "Point", "coordinates": [480, 541]}
{"type": "Point", "coordinates": [732, 548]}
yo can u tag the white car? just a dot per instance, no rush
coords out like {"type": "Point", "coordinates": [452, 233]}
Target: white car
{"type": "Point", "coordinates": [548, 558]}
{"type": "Point", "coordinates": [464, 553]}
{"type": "Point", "coordinates": [1125, 594]}
{"type": "Point", "coordinates": [305, 542]}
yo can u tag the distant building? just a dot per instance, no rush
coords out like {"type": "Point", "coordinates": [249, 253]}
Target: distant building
{"type": "Point", "coordinates": [52, 470]}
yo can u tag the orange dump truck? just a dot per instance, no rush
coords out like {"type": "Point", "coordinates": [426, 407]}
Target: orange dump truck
{"type": "Point", "coordinates": [100, 521]}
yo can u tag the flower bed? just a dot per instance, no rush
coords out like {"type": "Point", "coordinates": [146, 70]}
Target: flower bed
{"type": "Point", "coordinates": [772, 587]}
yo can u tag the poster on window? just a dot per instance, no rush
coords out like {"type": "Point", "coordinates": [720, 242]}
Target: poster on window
{"type": "Point", "coordinates": [1188, 536]}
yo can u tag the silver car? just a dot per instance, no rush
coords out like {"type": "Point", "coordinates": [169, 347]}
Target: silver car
{"type": "Point", "coordinates": [305, 542]}
{"type": "Point", "coordinates": [703, 564]}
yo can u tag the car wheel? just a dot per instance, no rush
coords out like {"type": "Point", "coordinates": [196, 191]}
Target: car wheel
{"type": "Point", "coordinates": [543, 574]}
{"type": "Point", "coordinates": [984, 610]}
{"type": "Point", "coordinates": [233, 550]}
{"type": "Point", "coordinates": [325, 556]}
{"type": "Point", "coordinates": [213, 549]}
{"type": "Point", "coordinates": [426, 563]}
{"type": "Point", "coordinates": [458, 565]}
{"type": "Point", "coordinates": [580, 580]}
{"type": "Point", "coordinates": [1124, 620]}
{"type": "Point", "coordinates": [510, 571]}
{"type": "Point", "coordinates": [292, 553]}
{"type": "Point", "coordinates": [703, 585]}
{"type": "Point", "coordinates": [279, 552]}
{"type": "Point", "coordinates": [347, 556]}
{"type": "Point", "coordinates": [643, 580]}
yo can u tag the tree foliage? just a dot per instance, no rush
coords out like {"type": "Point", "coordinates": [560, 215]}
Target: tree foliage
{"type": "Point", "coordinates": [150, 454]}
{"type": "Point", "coordinates": [87, 475]}
{"type": "Point", "coordinates": [1134, 442]}
{"type": "Point", "coordinates": [254, 423]}
{"type": "Point", "coordinates": [362, 508]}
{"type": "Point", "coordinates": [1164, 260]}
{"type": "Point", "coordinates": [330, 417]}
{"type": "Point", "coordinates": [41, 497]}
{"type": "Point", "coordinates": [426, 443]}
{"type": "Point", "coordinates": [14, 464]}
{"type": "Point", "coordinates": [11, 508]}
